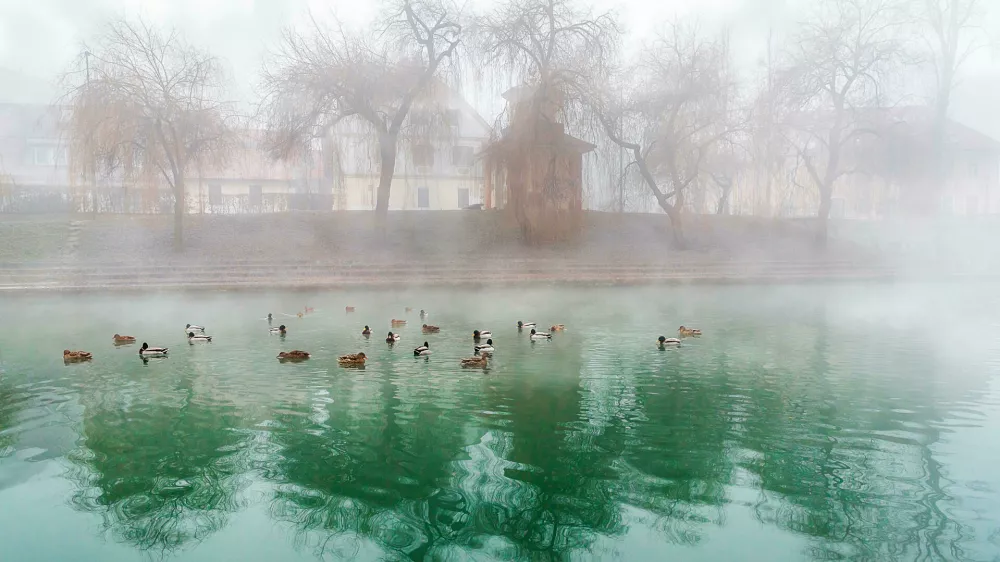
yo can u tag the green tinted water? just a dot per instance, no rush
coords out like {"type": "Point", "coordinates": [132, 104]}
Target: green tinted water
{"type": "Point", "coordinates": [842, 422]}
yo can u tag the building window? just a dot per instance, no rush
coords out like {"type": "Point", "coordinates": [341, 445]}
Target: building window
{"type": "Point", "coordinates": [214, 194]}
{"type": "Point", "coordinates": [41, 156]}
{"type": "Point", "coordinates": [256, 196]}
{"type": "Point", "coordinates": [463, 197]}
{"type": "Point", "coordinates": [462, 156]}
{"type": "Point", "coordinates": [423, 198]}
{"type": "Point", "coordinates": [423, 155]}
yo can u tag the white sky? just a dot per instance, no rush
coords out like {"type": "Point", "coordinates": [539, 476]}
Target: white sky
{"type": "Point", "coordinates": [38, 38]}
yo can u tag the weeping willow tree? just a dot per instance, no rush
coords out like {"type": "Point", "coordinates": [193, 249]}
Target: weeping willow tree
{"type": "Point", "coordinates": [549, 52]}
{"type": "Point", "coordinates": [669, 109]}
{"type": "Point", "coordinates": [147, 109]}
{"type": "Point", "coordinates": [363, 82]}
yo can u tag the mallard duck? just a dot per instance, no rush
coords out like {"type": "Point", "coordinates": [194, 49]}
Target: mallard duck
{"type": "Point", "coordinates": [76, 356]}
{"type": "Point", "coordinates": [477, 335]}
{"type": "Point", "coordinates": [525, 325]}
{"type": "Point", "coordinates": [409, 309]}
{"type": "Point", "coordinates": [392, 338]}
{"type": "Point", "coordinates": [485, 347]}
{"type": "Point", "coordinates": [147, 351]}
{"type": "Point", "coordinates": [299, 314]}
{"type": "Point", "coordinates": [308, 309]}
{"type": "Point", "coordinates": [422, 350]}
{"type": "Point", "coordinates": [688, 332]}
{"type": "Point", "coordinates": [423, 314]}
{"type": "Point", "coordinates": [474, 362]}
{"type": "Point", "coordinates": [279, 330]}
{"type": "Point", "coordinates": [348, 309]}
{"type": "Point", "coordinates": [124, 339]}
{"type": "Point", "coordinates": [540, 335]}
{"type": "Point", "coordinates": [352, 360]}
{"type": "Point", "coordinates": [665, 341]}
{"type": "Point", "coordinates": [269, 318]}
{"type": "Point", "coordinates": [431, 329]}
{"type": "Point", "coordinates": [558, 328]}
{"type": "Point", "coordinates": [366, 332]}
{"type": "Point", "coordinates": [293, 355]}
{"type": "Point", "coordinates": [196, 338]}
{"type": "Point", "coordinates": [398, 322]}
{"type": "Point", "coordinates": [193, 328]}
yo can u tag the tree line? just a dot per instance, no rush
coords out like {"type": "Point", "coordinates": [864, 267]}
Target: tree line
{"type": "Point", "coordinates": [144, 104]}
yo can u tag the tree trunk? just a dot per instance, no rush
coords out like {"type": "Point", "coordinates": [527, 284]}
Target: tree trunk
{"type": "Point", "coordinates": [822, 226]}
{"type": "Point", "coordinates": [723, 207]}
{"type": "Point", "coordinates": [387, 144]}
{"type": "Point", "coordinates": [179, 214]}
{"type": "Point", "coordinates": [676, 224]}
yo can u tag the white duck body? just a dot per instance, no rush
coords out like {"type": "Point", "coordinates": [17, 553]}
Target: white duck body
{"type": "Point", "coordinates": [422, 351]}
{"type": "Point", "coordinates": [147, 351]}
{"type": "Point", "coordinates": [198, 338]}
{"type": "Point", "coordinates": [195, 329]}
{"type": "Point", "coordinates": [540, 335]}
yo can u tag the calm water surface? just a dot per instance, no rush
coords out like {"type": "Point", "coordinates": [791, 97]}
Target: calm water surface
{"type": "Point", "coordinates": [810, 423]}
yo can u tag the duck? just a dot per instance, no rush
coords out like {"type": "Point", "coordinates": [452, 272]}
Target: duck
{"type": "Point", "coordinates": [431, 329]}
{"type": "Point", "coordinates": [423, 314]}
{"type": "Point", "coordinates": [688, 332]}
{"type": "Point", "coordinates": [477, 335]}
{"type": "Point", "coordinates": [348, 309]}
{"type": "Point", "coordinates": [392, 338]}
{"type": "Point", "coordinates": [293, 355]}
{"type": "Point", "coordinates": [193, 328]}
{"type": "Point", "coordinates": [485, 347]}
{"type": "Point", "coordinates": [352, 360]}
{"type": "Point", "coordinates": [76, 356]}
{"type": "Point", "coordinates": [279, 330]}
{"type": "Point", "coordinates": [308, 309]}
{"type": "Point", "coordinates": [269, 318]}
{"type": "Point", "coordinates": [123, 339]}
{"type": "Point", "coordinates": [195, 338]}
{"type": "Point", "coordinates": [299, 315]}
{"type": "Point", "coordinates": [398, 322]}
{"type": "Point", "coordinates": [422, 350]}
{"type": "Point", "coordinates": [366, 332]}
{"type": "Point", "coordinates": [525, 325]}
{"type": "Point", "coordinates": [665, 341]}
{"type": "Point", "coordinates": [409, 309]}
{"type": "Point", "coordinates": [474, 362]}
{"type": "Point", "coordinates": [147, 351]}
{"type": "Point", "coordinates": [540, 335]}
{"type": "Point", "coordinates": [557, 328]}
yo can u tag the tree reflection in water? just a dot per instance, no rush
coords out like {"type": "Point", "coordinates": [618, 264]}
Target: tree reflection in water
{"type": "Point", "coordinates": [164, 471]}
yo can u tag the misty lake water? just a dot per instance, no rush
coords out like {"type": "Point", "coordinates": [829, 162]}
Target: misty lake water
{"type": "Point", "coordinates": [810, 422]}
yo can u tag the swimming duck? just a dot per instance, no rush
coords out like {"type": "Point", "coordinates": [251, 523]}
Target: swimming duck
{"type": "Point", "coordinates": [352, 360]}
{"type": "Point", "coordinates": [485, 347]}
{"type": "Point", "coordinates": [147, 351]}
{"type": "Point", "coordinates": [366, 332]}
{"type": "Point", "coordinates": [279, 330]}
{"type": "Point", "coordinates": [688, 332]}
{"type": "Point", "coordinates": [348, 309]}
{"type": "Point", "coordinates": [392, 338]}
{"type": "Point", "coordinates": [398, 322]}
{"type": "Point", "coordinates": [431, 329]}
{"type": "Point", "coordinates": [195, 338]}
{"type": "Point", "coordinates": [299, 315]}
{"type": "Point", "coordinates": [422, 350]}
{"type": "Point", "coordinates": [124, 339]}
{"type": "Point", "coordinates": [477, 335]}
{"type": "Point", "coordinates": [474, 362]}
{"type": "Point", "coordinates": [664, 341]}
{"type": "Point", "coordinates": [269, 317]}
{"type": "Point", "coordinates": [308, 309]}
{"type": "Point", "coordinates": [540, 335]}
{"type": "Point", "coordinates": [423, 314]}
{"type": "Point", "coordinates": [525, 325]}
{"type": "Point", "coordinates": [558, 328]}
{"type": "Point", "coordinates": [293, 355]}
{"type": "Point", "coordinates": [193, 328]}
{"type": "Point", "coordinates": [409, 309]}
{"type": "Point", "coordinates": [76, 356]}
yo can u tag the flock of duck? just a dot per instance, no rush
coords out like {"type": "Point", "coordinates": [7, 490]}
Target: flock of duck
{"type": "Point", "coordinates": [482, 351]}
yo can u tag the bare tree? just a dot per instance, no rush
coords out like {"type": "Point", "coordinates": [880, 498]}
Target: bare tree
{"type": "Point", "coordinates": [152, 109]}
{"type": "Point", "coordinates": [840, 65]}
{"type": "Point", "coordinates": [371, 78]}
{"type": "Point", "coordinates": [668, 110]}
{"type": "Point", "coordinates": [955, 35]}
